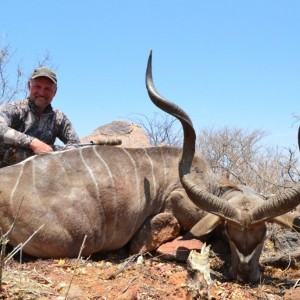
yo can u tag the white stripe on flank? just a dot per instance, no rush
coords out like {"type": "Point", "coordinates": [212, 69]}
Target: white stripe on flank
{"type": "Point", "coordinates": [16, 185]}
{"type": "Point", "coordinates": [91, 173]}
{"type": "Point", "coordinates": [106, 166]}
{"type": "Point", "coordinates": [33, 180]}
{"type": "Point", "coordinates": [153, 175]}
{"type": "Point", "coordinates": [165, 167]}
{"type": "Point", "coordinates": [139, 198]}
{"type": "Point", "coordinates": [114, 198]}
{"type": "Point", "coordinates": [97, 191]}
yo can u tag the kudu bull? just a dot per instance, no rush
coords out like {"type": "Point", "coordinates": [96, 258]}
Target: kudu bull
{"type": "Point", "coordinates": [107, 193]}
{"type": "Point", "coordinates": [242, 212]}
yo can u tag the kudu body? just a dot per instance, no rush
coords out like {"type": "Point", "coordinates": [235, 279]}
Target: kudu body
{"type": "Point", "coordinates": [107, 193]}
{"type": "Point", "coordinates": [103, 192]}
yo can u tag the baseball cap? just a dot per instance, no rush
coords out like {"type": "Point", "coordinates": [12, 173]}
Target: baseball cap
{"type": "Point", "coordinates": [44, 72]}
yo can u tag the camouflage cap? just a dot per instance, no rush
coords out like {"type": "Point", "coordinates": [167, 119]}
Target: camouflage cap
{"type": "Point", "coordinates": [44, 72]}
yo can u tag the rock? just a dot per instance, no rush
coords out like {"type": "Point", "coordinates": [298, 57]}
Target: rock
{"type": "Point", "coordinates": [179, 249]}
{"type": "Point", "coordinates": [132, 135]}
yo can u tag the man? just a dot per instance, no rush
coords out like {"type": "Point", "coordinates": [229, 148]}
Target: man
{"type": "Point", "coordinates": [31, 126]}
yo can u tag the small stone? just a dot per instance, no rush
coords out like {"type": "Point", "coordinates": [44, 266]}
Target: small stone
{"type": "Point", "coordinates": [179, 249]}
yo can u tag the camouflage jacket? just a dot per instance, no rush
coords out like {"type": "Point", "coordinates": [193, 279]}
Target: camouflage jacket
{"type": "Point", "coordinates": [20, 124]}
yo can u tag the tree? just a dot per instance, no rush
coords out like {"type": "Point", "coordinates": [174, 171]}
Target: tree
{"type": "Point", "coordinates": [13, 84]}
{"type": "Point", "coordinates": [237, 154]}
{"type": "Point", "coordinates": [8, 90]}
{"type": "Point", "coordinates": [162, 129]}
{"type": "Point", "coordinates": [240, 155]}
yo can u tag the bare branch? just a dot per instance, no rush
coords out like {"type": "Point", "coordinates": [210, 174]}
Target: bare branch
{"type": "Point", "coordinates": [240, 155]}
{"type": "Point", "coordinates": [13, 84]}
{"type": "Point", "coordinates": [161, 129]}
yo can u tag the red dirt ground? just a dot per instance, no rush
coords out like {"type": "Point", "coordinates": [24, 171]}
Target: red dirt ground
{"type": "Point", "coordinates": [146, 277]}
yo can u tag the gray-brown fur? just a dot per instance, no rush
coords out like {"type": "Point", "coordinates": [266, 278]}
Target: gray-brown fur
{"type": "Point", "coordinates": [103, 192]}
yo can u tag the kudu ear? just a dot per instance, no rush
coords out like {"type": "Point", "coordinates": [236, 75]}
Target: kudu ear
{"type": "Point", "coordinates": [288, 220]}
{"type": "Point", "coordinates": [205, 226]}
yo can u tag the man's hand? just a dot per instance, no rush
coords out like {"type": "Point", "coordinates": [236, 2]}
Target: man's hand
{"type": "Point", "coordinates": [39, 147]}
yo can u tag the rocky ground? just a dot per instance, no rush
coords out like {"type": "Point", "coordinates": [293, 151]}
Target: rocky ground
{"type": "Point", "coordinates": [115, 275]}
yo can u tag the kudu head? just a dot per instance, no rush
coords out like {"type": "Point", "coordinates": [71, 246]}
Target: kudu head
{"type": "Point", "coordinates": [242, 211]}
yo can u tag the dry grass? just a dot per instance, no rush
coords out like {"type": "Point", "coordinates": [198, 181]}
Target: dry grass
{"type": "Point", "coordinates": [150, 278]}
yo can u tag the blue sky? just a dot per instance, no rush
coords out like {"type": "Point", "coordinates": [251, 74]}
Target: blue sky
{"type": "Point", "coordinates": [226, 63]}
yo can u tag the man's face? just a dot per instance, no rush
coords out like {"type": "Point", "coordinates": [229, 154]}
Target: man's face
{"type": "Point", "coordinates": [41, 91]}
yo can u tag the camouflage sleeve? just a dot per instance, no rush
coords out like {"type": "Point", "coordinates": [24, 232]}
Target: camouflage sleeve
{"type": "Point", "coordinates": [9, 135]}
{"type": "Point", "coordinates": [67, 133]}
